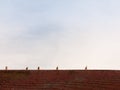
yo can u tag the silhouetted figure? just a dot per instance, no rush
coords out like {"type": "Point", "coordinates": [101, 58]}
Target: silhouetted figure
{"type": "Point", "coordinates": [6, 68]}
{"type": "Point", "coordinates": [86, 68]}
{"type": "Point", "coordinates": [38, 68]}
{"type": "Point", "coordinates": [57, 68]}
{"type": "Point", "coordinates": [26, 68]}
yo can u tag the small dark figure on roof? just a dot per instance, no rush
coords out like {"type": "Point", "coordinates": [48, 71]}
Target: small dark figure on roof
{"type": "Point", "coordinates": [26, 68]}
{"type": "Point", "coordinates": [86, 68]}
{"type": "Point", "coordinates": [57, 68]}
{"type": "Point", "coordinates": [38, 68]}
{"type": "Point", "coordinates": [6, 68]}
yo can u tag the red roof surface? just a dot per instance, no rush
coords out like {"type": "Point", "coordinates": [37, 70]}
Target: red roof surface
{"type": "Point", "coordinates": [59, 80]}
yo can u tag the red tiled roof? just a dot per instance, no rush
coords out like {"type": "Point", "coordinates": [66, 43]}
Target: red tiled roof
{"type": "Point", "coordinates": [59, 80]}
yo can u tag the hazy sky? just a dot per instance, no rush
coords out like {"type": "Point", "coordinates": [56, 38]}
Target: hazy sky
{"type": "Point", "coordinates": [66, 33]}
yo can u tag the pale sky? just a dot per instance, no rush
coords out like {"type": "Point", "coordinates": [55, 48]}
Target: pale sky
{"type": "Point", "coordinates": [66, 33]}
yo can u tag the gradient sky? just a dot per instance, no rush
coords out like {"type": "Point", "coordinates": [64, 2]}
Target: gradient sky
{"type": "Point", "coordinates": [66, 33]}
